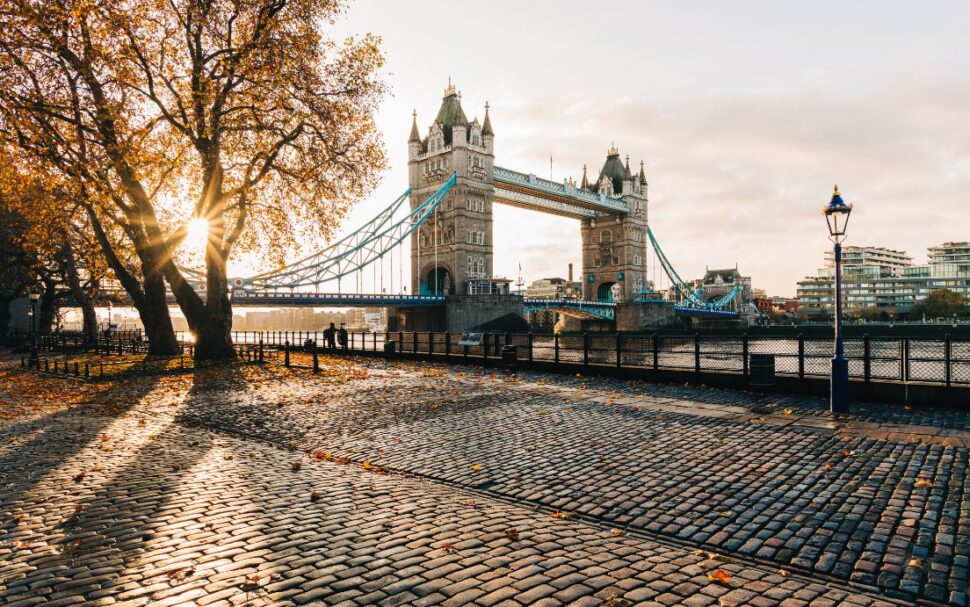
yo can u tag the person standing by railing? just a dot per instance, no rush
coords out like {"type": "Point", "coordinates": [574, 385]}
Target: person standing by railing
{"type": "Point", "coordinates": [342, 336]}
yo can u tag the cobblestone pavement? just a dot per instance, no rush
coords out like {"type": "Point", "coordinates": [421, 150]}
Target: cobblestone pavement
{"type": "Point", "coordinates": [147, 505]}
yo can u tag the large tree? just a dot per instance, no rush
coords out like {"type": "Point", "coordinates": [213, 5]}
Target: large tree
{"type": "Point", "coordinates": [238, 112]}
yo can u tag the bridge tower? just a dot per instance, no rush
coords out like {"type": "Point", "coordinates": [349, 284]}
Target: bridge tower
{"type": "Point", "coordinates": [615, 245]}
{"type": "Point", "coordinates": [451, 254]}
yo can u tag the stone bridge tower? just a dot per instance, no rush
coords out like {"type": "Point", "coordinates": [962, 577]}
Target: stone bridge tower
{"type": "Point", "coordinates": [615, 246]}
{"type": "Point", "coordinates": [452, 251]}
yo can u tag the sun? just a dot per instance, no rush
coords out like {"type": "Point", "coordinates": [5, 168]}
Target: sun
{"type": "Point", "coordinates": [197, 233]}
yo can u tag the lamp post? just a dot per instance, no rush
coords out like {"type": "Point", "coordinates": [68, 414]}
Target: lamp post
{"type": "Point", "coordinates": [837, 217]}
{"type": "Point", "coordinates": [32, 313]}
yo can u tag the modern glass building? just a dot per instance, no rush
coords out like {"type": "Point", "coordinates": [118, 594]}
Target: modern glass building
{"type": "Point", "coordinates": [886, 279]}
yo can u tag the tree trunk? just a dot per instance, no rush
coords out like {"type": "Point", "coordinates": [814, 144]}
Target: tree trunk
{"type": "Point", "coordinates": [47, 310]}
{"type": "Point", "coordinates": [156, 319]}
{"type": "Point", "coordinates": [5, 314]}
{"type": "Point", "coordinates": [89, 328]}
{"type": "Point", "coordinates": [215, 331]}
{"type": "Point", "coordinates": [147, 297]}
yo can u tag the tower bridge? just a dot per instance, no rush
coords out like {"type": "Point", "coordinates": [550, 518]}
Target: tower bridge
{"type": "Point", "coordinates": [453, 187]}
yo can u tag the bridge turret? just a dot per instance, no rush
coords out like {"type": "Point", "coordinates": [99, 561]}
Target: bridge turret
{"type": "Point", "coordinates": [414, 141]}
{"type": "Point", "coordinates": [488, 135]}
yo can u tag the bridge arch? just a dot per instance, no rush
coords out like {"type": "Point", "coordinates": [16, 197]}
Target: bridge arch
{"type": "Point", "coordinates": [604, 291]}
{"type": "Point", "coordinates": [437, 280]}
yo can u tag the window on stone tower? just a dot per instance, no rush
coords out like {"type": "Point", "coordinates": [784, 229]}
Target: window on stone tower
{"type": "Point", "coordinates": [606, 237]}
{"type": "Point", "coordinates": [475, 140]}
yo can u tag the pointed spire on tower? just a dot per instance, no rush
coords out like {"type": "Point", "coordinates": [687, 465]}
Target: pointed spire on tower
{"type": "Point", "coordinates": [487, 125]}
{"type": "Point", "coordinates": [643, 175]}
{"type": "Point", "coordinates": [626, 168]}
{"type": "Point", "coordinates": [415, 136]}
{"type": "Point", "coordinates": [585, 183]}
{"type": "Point", "coordinates": [450, 89]}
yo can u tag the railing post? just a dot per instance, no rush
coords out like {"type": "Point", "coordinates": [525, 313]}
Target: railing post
{"type": "Point", "coordinates": [947, 359]}
{"type": "Point", "coordinates": [744, 358]}
{"type": "Point", "coordinates": [906, 357]}
{"type": "Point", "coordinates": [447, 345]}
{"type": "Point", "coordinates": [261, 359]}
{"type": "Point", "coordinates": [556, 349]}
{"type": "Point", "coordinates": [485, 345]}
{"type": "Point", "coordinates": [531, 339]}
{"type": "Point", "coordinates": [316, 358]}
{"type": "Point", "coordinates": [801, 356]}
{"type": "Point", "coordinates": [866, 360]}
{"type": "Point", "coordinates": [585, 353]}
{"type": "Point", "coordinates": [697, 353]}
{"type": "Point", "coordinates": [414, 340]}
{"type": "Point", "coordinates": [430, 344]}
{"type": "Point", "coordinates": [619, 350]}
{"type": "Point", "coordinates": [87, 370]}
{"type": "Point", "coordinates": [656, 351]}
{"type": "Point", "coordinates": [77, 370]}
{"type": "Point", "coordinates": [286, 353]}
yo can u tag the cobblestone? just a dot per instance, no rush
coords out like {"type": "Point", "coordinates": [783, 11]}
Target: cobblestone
{"type": "Point", "coordinates": [157, 504]}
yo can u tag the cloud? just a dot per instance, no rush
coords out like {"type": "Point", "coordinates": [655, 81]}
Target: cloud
{"type": "Point", "coordinates": [741, 177]}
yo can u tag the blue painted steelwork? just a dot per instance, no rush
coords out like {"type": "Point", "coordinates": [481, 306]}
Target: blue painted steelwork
{"type": "Point", "coordinates": [527, 190]}
{"type": "Point", "coordinates": [573, 307]}
{"type": "Point", "coordinates": [691, 304]}
{"type": "Point", "coordinates": [365, 246]}
{"type": "Point", "coordinates": [241, 297]}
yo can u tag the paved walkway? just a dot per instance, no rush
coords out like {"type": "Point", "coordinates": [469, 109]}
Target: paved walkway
{"type": "Point", "coordinates": [419, 485]}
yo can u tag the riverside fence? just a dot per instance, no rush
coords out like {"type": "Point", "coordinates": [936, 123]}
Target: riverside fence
{"type": "Point", "coordinates": [944, 361]}
{"type": "Point", "coordinates": [906, 369]}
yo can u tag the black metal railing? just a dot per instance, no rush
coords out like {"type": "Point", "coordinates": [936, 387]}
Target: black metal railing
{"type": "Point", "coordinates": [935, 360]}
{"type": "Point", "coordinates": [926, 360]}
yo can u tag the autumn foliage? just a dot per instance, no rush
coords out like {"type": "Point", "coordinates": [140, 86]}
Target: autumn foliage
{"type": "Point", "coordinates": [240, 112]}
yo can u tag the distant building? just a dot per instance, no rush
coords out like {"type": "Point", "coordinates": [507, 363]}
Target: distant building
{"type": "Point", "coordinates": [886, 279]}
{"type": "Point", "coordinates": [553, 288]}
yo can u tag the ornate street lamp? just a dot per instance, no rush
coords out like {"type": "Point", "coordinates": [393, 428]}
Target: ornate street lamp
{"type": "Point", "coordinates": [32, 313]}
{"type": "Point", "coordinates": [837, 217]}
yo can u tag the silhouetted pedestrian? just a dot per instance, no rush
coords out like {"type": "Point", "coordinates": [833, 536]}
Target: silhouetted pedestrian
{"type": "Point", "coordinates": [330, 337]}
{"type": "Point", "coordinates": [342, 336]}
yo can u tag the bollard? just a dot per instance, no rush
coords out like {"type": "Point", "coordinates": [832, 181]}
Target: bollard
{"type": "Point", "coordinates": [286, 353]}
{"type": "Point", "coordinates": [316, 359]}
{"type": "Point", "coordinates": [261, 358]}
{"type": "Point", "coordinates": [87, 370]}
{"type": "Point", "coordinates": [77, 370]}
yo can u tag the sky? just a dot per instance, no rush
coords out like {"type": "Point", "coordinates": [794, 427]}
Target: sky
{"type": "Point", "coordinates": [745, 115]}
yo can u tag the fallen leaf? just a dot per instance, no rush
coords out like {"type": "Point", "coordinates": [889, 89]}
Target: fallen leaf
{"type": "Point", "coordinates": [924, 483]}
{"type": "Point", "coordinates": [560, 514]}
{"type": "Point", "coordinates": [79, 476]}
{"type": "Point", "coordinates": [719, 576]}
{"type": "Point", "coordinates": [314, 496]}
{"type": "Point", "coordinates": [296, 465]}
{"type": "Point", "coordinates": [447, 547]}
{"type": "Point", "coordinates": [787, 411]}
{"type": "Point", "coordinates": [512, 534]}
{"type": "Point", "coordinates": [616, 532]}
{"type": "Point", "coordinates": [784, 572]}
{"type": "Point", "coordinates": [827, 466]}
{"type": "Point", "coordinates": [477, 468]}
{"type": "Point", "coordinates": [915, 563]}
